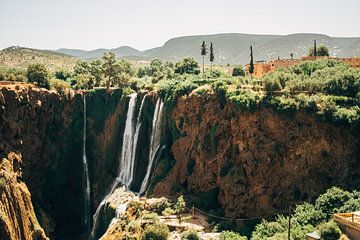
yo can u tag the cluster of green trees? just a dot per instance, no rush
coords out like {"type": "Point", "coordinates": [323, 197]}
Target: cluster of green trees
{"type": "Point", "coordinates": [324, 76]}
{"type": "Point", "coordinates": [311, 217]}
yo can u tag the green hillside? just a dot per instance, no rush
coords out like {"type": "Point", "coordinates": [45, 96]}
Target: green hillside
{"type": "Point", "coordinates": [19, 57]}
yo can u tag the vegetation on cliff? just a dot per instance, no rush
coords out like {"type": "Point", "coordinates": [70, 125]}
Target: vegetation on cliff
{"type": "Point", "coordinates": [308, 217]}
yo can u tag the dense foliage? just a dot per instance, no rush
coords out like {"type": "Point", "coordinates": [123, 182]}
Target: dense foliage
{"type": "Point", "coordinates": [38, 74]}
{"type": "Point", "coordinates": [156, 231]}
{"type": "Point", "coordinates": [309, 217]}
{"type": "Point", "coordinates": [229, 235]}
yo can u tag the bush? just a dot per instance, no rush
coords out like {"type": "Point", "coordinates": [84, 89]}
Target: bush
{"type": "Point", "coordinates": [267, 229]}
{"type": "Point", "coordinates": [155, 232]}
{"type": "Point", "coordinates": [168, 211]}
{"type": "Point", "coordinates": [37, 73]}
{"type": "Point", "coordinates": [59, 85]}
{"type": "Point", "coordinates": [329, 231]}
{"type": "Point", "coordinates": [238, 71]}
{"type": "Point", "coordinates": [307, 214]}
{"type": "Point", "coordinates": [133, 226]}
{"type": "Point", "coordinates": [230, 235]}
{"type": "Point", "coordinates": [153, 217]}
{"type": "Point", "coordinates": [190, 235]}
{"type": "Point", "coordinates": [187, 66]}
{"type": "Point", "coordinates": [272, 85]}
{"type": "Point", "coordinates": [331, 201]}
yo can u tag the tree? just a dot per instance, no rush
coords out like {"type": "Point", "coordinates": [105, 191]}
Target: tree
{"type": "Point", "coordinates": [110, 68]}
{"type": "Point", "coordinates": [95, 69]}
{"type": "Point", "coordinates": [37, 73]}
{"type": "Point", "coordinates": [203, 54]}
{"type": "Point", "coordinates": [212, 57]}
{"type": "Point", "coordinates": [238, 71]}
{"type": "Point", "coordinates": [187, 66]}
{"type": "Point", "coordinates": [251, 67]}
{"type": "Point", "coordinates": [158, 231]}
{"type": "Point", "coordinates": [180, 207]}
{"type": "Point", "coordinates": [323, 51]}
{"type": "Point", "coordinates": [291, 55]}
{"type": "Point", "coordinates": [329, 231]}
{"type": "Point", "coordinates": [315, 51]}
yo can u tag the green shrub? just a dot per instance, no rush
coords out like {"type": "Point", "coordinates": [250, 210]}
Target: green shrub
{"type": "Point", "coordinates": [331, 201]}
{"type": "Point", "coordinates": [153, 217]}
{"type": "Point", "coordinates": [59, 85]}
{"type": "Point", "coordinates": [230, 235]}
{"type": "Point", "coordinates": [190, 235]}
{"type": "Point", "coordinates": [168, 211]}
{"type": "Point", "coordinates": [155, 232]}
{"type": "Point", "coordinates": [307, 214]}
{"type": "Point", "coordinates": [272, 85]}
{"type": "Point", "coordinates": [329, 231]}
{"type": "Point", "coordinates": [238, 71]}
{"type": "Point", "coordinates": [133, 226]}
{"type": "Point", "coordinates": [267, 229]}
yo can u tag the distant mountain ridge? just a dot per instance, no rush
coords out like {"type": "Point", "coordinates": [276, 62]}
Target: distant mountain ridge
{"type": "Point", "coordinates": [233, 48]}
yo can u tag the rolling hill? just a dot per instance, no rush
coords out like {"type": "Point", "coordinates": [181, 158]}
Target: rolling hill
{"type": "Point", "coordinates": [232, 47]}
{"type": "Point", "coordinates": [19, 57]}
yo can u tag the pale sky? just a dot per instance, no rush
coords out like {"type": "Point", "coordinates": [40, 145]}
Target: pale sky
{"type": "Point", "coordinates": [143, 24]}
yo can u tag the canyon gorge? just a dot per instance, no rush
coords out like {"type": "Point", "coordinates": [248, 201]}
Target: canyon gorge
{"type": "Point", "coordinates": [64, 156]}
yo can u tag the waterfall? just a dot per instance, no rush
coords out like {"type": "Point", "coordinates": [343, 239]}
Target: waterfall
{"type": "Point", "coordinates": [86, 179]}
{"type": "Point", "coordinates": [155, 141]}
{"type": "Point", "coordinates": [128, 152]}
{"type": "Point", "coordinates": [127, 157]}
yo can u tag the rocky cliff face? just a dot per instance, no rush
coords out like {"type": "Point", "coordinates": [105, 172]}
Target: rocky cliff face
{"type": "Point", "coordinates": [17, 216]}
{"type": "Point", "coordinates": [45, 128]}
{"type": "Point", "coordinates": [246, 163]}
{"type": "Point", "coordinates": [255, 163]}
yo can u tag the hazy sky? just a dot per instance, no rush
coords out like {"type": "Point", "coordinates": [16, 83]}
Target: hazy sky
{"type": "Point", "coordinates": [90, 24]}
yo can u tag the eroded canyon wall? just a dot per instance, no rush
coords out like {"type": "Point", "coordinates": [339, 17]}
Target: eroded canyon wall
{"type": "Point", "coordinates": [254, 163]}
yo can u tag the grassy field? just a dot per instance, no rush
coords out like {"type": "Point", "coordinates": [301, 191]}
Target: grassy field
{"type": "Point", "coordinates": [16, 57]}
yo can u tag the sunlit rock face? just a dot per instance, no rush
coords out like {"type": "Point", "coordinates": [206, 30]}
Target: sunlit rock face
{"type": "Point", "coordinates": [220, 157]}
{"type": "Point", "coordinates": [254, 163]}
{"type": "Point", "coordinates": [17, 216]}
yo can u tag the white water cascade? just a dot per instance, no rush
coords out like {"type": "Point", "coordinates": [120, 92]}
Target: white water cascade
{"type": "Point", "coordinates": [126, 166]}
{"type": "Point", "coordinates": [155, 142]}
{"type": "Point", "coordinates": [86, 173]}
{"type": "Point", "coordinates": [128, 152]}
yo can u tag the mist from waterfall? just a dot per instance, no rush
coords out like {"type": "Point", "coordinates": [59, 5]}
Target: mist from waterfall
{"type": "Point", "coordinates": [155, 141]}
{"type": "Point", "coordinates": [86, 179]}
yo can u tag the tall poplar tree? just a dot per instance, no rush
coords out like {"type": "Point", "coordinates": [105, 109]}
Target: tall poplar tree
{"type": "Point", "coordinates": [203, 54]}
{"type": "Point", "coordinates": [251, 67]}
{"type": "Point", "coordinates": [212, 57]}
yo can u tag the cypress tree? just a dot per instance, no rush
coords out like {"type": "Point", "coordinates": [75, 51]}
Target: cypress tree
{"type": "Point", "coordinates": [203, 54]}
{"type": "Point", "coordinates": [212, 57]}
{"type": "Point", "coordinates": [251, 67]}
{"type": "Point", "coordinates": [315, 50]}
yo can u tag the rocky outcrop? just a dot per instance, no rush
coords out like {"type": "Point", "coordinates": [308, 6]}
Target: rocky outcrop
{"type": "Point", "coordinates": [255, 163]}
{"type": "Point", "coordinates": [17, 216]}
{"type": "Point", "coordinates": [46, 129]}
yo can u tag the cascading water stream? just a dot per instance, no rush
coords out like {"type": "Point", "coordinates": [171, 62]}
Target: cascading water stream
{"type": "Point", "coordinates": [155, 142]}
{"type": "Point", "coordinates": [86, 179]}
{"type": "Point", "coordinates": [128, 152]}
{"type": "Point", "coordinates": [126, 166]}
